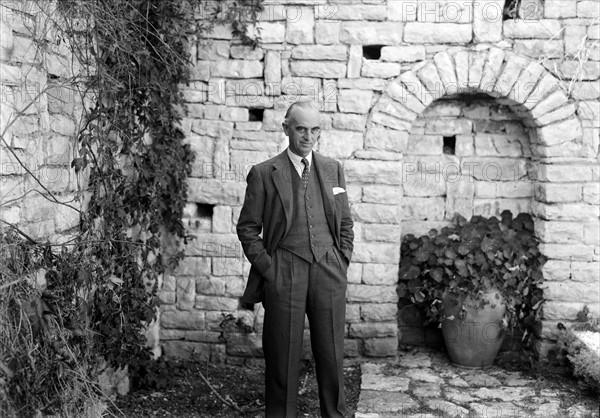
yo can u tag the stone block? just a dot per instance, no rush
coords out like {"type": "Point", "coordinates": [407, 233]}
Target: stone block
{"type": "Point", "coordinates": [430, 78]}
{"type": "Point", "coordinates": [426, 33]}
{"type": "Point", "coordinates": [491, 69]}
{"type": "Point", "coordinates": [244, 52]}
{"type": "Point", "coordinates": [352, 313]}
{"type": "Point", "coordinates": [376, 213]}
{"type": "Point", "coordinates": [499, 145]}
{"type": "Point", "coordinates": [412, 53]}
{"type": "Point", "coordinates": [182, 320]}
{"type": "Point", "coordinates": [537, 29]}
{"type": "Point", "coordinates": [340, 144]}
{"type": "Point", "coordinates": [378, 312]}
{"type": "Point", "coordinates": [327, 32]}
{"type": "Point", "coordinates": [351, 348]}
{"type": "Point", "coordinates": [245, 345]}
{"type": "Point", "coordinates": [320, 52]}
{"type": "Point", "coordinates": [394, 108]}
{"type": "Point", "coordinates": [186, 350]}
{"type": "Point", "coordinates": [407, 96]}
{"type": "Point", "coordinates": [369, 294]}
{"type": "Point", "coordinates": [591, 194]}
{"type": "Point", "coordinates": [355, 101]}
{"type": "Point", "coordinates": [300, 30]}
{"type": "Point", "coordinates": [578, 271]}
{"type": "Point", "coordinates": [382, 194]}
{"type": "Point", "coordinates": [559, 232]}
{"type": "Point", "coordinates": [272, 32]}
{"type": "Point", "coordinates": [555, 9]}
{"type": "Point", "coordinates": [368, 171]}
{"type": "Point", "coordinates": [351, 122]}
{"type": "Point", "coordinates": [416, 208]}
{"type": "Point", "coordinates": [537, 48]}
{"type": "Point", "coordinates": [371, 33]}
{"type": "Point", "coordinates": [213, 303]}
{"type": "Point", "coordinates": [380, 69]}
{"type": "Point", "coordinates": [186, 292]}
{"type": "Point", "coordinates": [414, 86]}
{"type": "Point", "coordinates": [446, 71]}
{"type": "Point", "coordinates": [587, 9]}
{"type": "Point", "coordinates": [373, 329]}
{"type": "Point", "coordinates": [571, 291]}
{"type": "Point", "coordinates": [376, 252]}
{"type": "Point", "coordinates": [487, 21]}
{"type": "Point", "coordinates": [509, 75]}
{"type": "Point", "coordinates": [384, 347]}
{"type": "Point", "coordinates": [402, 10]}
{"type": "Point", "coordinates": [381, 274]}
{"type": "Point", "coordinates": [564, 173]}
{"type": "Point", "coordinates": [321, 69]}
{"type": "Point", "coordinates": [566, 211]}
{"type": "Point", "coordinates": [272, 67]}
{"type": "Point", "coordinates": [236, 69]}
{"type": "Point", "coordinates": [382, 233]}
{"type": "Point", "coordinates": [213, 128]}
{"type": "Point", "coordinates": [190, 266]}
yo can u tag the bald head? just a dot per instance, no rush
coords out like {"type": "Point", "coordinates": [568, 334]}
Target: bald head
{"type": "Point", "coordinates": [301, 104]}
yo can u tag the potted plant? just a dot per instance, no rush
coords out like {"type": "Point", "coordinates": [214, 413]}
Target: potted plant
{"type": "Point", "coordinates": [478, 279]}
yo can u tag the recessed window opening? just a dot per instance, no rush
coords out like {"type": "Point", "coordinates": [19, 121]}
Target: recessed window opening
{"type": "Point", "coordinates": [511, 9]}
{"type": "Point", "coordinates": [255, 115]}
{"type": "Point", "coordinates": [205, 210]}
{"type": "Point", "coordinates": [372, 52]}
{"type": "Point", "coordinates": [449, 147]}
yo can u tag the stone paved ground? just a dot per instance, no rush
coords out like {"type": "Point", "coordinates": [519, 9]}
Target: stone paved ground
{"type": "Point", "coordinates": [423, 383]}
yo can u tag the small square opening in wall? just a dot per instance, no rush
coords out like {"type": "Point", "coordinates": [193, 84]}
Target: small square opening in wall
{"type": "Point", "coordinates": [256, 115]}
{"type": "Point", "coordinates": [205, 210]}
{"type": "Point", "coordinates": [372, 52]}
{"type": "Point", "coordinates": [449, 147]}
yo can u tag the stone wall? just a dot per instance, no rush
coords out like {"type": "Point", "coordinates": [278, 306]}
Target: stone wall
{"type": "Point", "coordinates": [433, 107]}
{"type": "Point", "coordinates": [40, 109]}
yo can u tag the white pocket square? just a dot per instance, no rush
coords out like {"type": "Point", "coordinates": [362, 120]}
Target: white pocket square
{"type": "Point", "coordinates": [338, 190]}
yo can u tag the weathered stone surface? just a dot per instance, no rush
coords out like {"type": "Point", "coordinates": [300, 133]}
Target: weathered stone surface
{"type": "Point", "coordinates": [359, 11]}
{"type": "Point", "coordinates": [377, 312]}
{"type": "Point", "coordinates": [447, 408]}
{"type": "Point", "coordinates": [322, 69]}
{"type": "Point", "coordinates": [536, 29]}
{"type": "Point", "coordinates": [380, 69]}
{"type": "Point", "coordinates": [320, 52]}
{"type": "Point", "coordinates": [382, 194]}
{"type": "Point", "coordinates": [577, 252]}
{"type": "Point", "coordinates": [491, 69]}
{"type": "Point", "coordinates": [381, 347]}
{"type": "Point", "coordinates": [402, 10]}
{"type": "Point", "coordinates": [187, 350]}
{"type": "Point", "coordinates": [421, 33]}
{"type": "Point", "coordinates": [236, 69]}
{"type": "Point", "coordinates": [385, 402]}
{"type": "Point", "coordinates": [487, 21]}
{"type": "Point", "coordinates": [446, 71]}
{"type": "Point", "coordinates": [245, 345]}
{"type": "Point", "coordinates": [381, 232]}
{"type": "Point", "coordinates": [340, 144]}
{"type": "Point", "coordinates": [562, 173]}
{"type": "Point", "coordinates": [510, 73]}
{"type": "Point", "coordinates": [417, 208]}
{"type": "Point", "coordinates": [371, 33]}
{"type": "Point", "coordinates": [300, 29]}
{"type": "Point", "coordinates": [272, 32]}
{"type": "Point", "coordinates": [381, 382]}
{"type": "Point", "coordinates": [412, 53]}
{"type": "Point", "coordinates": [423, 375]}
{"type": "Point", "coordinates": [355, 61]}
{"type": "Point", "coordinates": [212, 303]}
{"type": "Point", "coordinates": [379, 172]}
{"type": "Point", "coordinates": [367, 293]}
{"type": "Point", "coordinates": [426, 390]}
{"type": "Point", "coordinates": [375, 329]}
{"type": "Point", "coordinates": [406, 95]}
{"type": "Point", "coordinates": [537, 48]}
{"type": "Point", "coordinates": [182, 320]}
{"type": "Point", "coordinates": [349, 121]}
{"type": "Point", "coordinates": [327, 32]}
{"type": "Point", "coordinates": [355, 101]}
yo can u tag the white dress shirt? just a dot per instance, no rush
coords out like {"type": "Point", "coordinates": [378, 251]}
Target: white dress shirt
{"type": "Point", "coordinates": [297, 161]}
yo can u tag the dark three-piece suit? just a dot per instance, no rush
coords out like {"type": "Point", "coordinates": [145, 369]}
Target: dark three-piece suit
{"type": "Point", "coordinates": [299, 266]}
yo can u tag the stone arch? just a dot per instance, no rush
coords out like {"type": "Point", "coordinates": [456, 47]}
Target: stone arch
{"type": "Point", "coordinates": [525, 86]}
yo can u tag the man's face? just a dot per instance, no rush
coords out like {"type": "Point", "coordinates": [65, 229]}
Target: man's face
{"type": "Point", "coordinates": [303, 130]}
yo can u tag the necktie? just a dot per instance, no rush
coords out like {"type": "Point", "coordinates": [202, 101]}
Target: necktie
{"type": "Point", "coordinates": [305, 173]}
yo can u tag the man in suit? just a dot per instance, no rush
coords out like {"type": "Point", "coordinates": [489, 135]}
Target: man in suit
{"type": "Point", "coordinates": [299, 264]}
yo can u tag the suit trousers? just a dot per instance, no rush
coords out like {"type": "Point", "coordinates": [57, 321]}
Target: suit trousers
{"type": "Point", "coordinates": [293, 288]}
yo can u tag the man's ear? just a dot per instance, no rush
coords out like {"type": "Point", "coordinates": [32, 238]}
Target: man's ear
{"type": "Point", "coordinates": [285, 129]}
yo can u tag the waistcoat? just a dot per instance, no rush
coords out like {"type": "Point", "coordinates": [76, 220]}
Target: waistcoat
{"type": "Point", "coordinates": [309, 235]}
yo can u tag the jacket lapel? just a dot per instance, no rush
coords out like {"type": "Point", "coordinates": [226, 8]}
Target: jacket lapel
{"type": "Point", "coordinates": [282, 178]}
{"type": "Point", "coordinates": [326, 181]}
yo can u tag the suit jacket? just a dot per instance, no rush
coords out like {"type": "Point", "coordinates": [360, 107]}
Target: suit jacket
{"type": "Point", "coordinates": [268, 206]}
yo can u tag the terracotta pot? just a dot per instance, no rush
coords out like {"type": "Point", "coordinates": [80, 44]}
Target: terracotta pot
{"type": "Point", "coordinates": [473, 334]}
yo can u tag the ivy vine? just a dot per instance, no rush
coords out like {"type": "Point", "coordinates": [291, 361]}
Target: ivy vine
{"type": "Point", "coordinates": [102, 291]}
